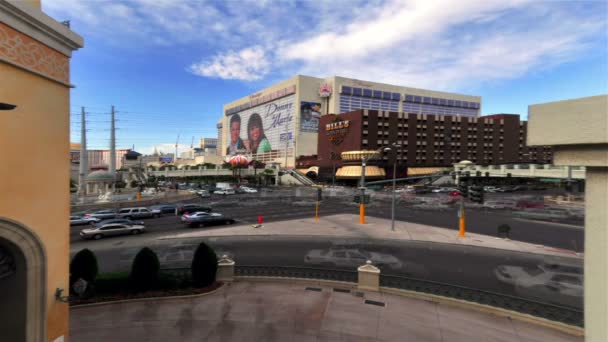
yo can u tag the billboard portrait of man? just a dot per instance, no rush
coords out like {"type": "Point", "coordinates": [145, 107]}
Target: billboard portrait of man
{"type": "Point", "coordinates": [310, 113]}
{"type": "Point", "coordinates": [236, 143]}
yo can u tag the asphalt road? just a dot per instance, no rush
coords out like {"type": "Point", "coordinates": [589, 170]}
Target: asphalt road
{"type": "Point", "coordinates": [287, 205]}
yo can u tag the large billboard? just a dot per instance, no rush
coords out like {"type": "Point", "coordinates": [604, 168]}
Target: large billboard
{"type": "Point", "coordinates": [261, 129]}
{"type": "Point", "coordinates": [310, 113]}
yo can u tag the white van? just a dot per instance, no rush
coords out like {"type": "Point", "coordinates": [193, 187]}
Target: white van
{"type": "Point", "coordinates": [500, 204]}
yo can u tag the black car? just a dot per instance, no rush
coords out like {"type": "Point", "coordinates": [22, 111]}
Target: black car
{"type": "Point", "coordinates": [191, 208]}
{"type": "Point", "coordinates": [164, 208]}
{"type": "Point", "coordinates": [206, 219]}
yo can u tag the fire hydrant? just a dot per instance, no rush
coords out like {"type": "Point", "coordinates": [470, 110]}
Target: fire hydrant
{"type": "Point", "coordinates": [260, 219]}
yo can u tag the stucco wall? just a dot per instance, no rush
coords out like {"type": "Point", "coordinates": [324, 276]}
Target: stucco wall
{"type": "Point", "coordinates": [34, 177]}
{"type": "Point", "coordinates": [569, 122]}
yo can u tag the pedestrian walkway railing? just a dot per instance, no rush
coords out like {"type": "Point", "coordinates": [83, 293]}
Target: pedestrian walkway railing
{"type": "Point", "coordinates": [296, 272]}
{"type": "Point", "coordinates": [548, 311]}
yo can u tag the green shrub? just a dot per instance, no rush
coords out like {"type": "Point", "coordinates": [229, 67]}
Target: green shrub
{"type": "Point", "coordinates": [83, 265]}
{"type": "Point", "coordinates": [144, 273]}
{"type": "Point", "coordinates": [204, 266]}
{"type": "Point", "coordinates": [504, 230]}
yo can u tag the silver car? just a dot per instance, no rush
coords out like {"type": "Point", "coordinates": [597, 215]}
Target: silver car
{"type": "Point", "coordinates": [112, 229]}
{"type": "Point", "coordinates": [81, 220]}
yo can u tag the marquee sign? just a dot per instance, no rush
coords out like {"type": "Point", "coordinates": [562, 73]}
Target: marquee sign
{"type": "Point", "coordinates": [325, 90]}
{"type": "Point", "coordinates": [337, 131]}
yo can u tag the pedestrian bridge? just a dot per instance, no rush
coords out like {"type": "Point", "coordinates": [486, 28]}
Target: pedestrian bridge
{"type": "Point", "coordinates": [524, 170]}
{"type": "Point", "coordinates": [206, 172]}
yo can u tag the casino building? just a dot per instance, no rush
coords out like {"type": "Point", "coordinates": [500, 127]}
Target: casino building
{"type": "Point", "coordinates": [423, 140]}
{"type": "Point", "coordinates": [282, 123]}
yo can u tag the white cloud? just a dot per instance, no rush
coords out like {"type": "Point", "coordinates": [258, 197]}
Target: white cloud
{"type": "Point", "coordinates": [419, 43]}
{"type": "Point", "coordinates": [248, 65]}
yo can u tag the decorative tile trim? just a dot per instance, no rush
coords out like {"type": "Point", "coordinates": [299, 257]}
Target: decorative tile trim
{"type": "Point", "coordinates": [31, 54]}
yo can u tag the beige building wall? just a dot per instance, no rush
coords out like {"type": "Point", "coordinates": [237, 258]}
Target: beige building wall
{"type": "Point", "coordinates": [337, 82]}
{"type": "Point", "coordinates": [545, 127]}
{"type": "Point", "coordinates": [577, 130]}
{"type": "Point", "coordinates": [34, 138]}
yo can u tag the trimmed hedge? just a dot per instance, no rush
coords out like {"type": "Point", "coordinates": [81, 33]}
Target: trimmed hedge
{"type": "Point", "coordinates": [120, 282]}
{"type": "Point", "coordinates": [83, 265]}
{"type": "Point", "coordinates": [204, 266]}
{"type": "Point", "coordinates": [145, 270]}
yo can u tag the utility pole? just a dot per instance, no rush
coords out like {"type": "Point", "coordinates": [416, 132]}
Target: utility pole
{"type": "Point", "coordinates": [83, 167]}
{"type": "Point", "coordinates": [176, 142]}
{"type": "Point", "coordinates": [113, 150]}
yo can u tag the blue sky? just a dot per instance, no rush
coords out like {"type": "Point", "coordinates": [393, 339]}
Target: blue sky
{"type": "Point", "coordinates": [169, 66]}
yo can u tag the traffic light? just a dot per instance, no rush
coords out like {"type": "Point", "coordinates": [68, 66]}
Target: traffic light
{"type": "Point", "coordinates": [463, 188]}
{"type": "Point", "coordinates": [476, 194]}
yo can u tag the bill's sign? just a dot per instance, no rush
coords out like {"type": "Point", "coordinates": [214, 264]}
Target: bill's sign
{"type": "Point", "coordinates": [337, 131]}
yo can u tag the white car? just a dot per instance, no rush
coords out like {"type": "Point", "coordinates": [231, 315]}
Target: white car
{"type": "Point", "coordinates": [490, 189]}
{"type": "Point", "coordinates": [248, 190]}
{"type": "Point", "coordinates": [544, 280]}
{"type": "Point", "coordinates": [185, 217]}
{"type": "Point", "coordinates": [350, 257]}
{"type": "Point", "coordinates": [224, 192]}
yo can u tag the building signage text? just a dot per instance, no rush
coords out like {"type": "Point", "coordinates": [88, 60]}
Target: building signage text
{"type": "Point", "coordinates": [337, 131]}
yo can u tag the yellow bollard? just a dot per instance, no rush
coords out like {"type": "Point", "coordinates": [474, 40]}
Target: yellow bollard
{"type": "Point", "coordinates": [462, 227]}
{"type": "Point", "coordinates": [139, 196]}
{"type": "Point", "coordinates": [362, 213]}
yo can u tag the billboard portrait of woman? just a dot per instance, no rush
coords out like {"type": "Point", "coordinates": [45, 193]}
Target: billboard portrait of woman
{"type": "Point", "coordinates": [257, 142]}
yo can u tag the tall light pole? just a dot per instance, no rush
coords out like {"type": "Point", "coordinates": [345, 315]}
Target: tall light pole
{"type": "Point", "coordinates": [364, 160]}
{"type": "Point", "coordinates": [395, 146]}
{"type": "Point", "coordinates": [84, 159]}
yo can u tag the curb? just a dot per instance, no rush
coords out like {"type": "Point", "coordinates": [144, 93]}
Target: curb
{"type": "Point", "coordinates": [77, 306]}
{"type": "Point", "coordinates": [568, 254]}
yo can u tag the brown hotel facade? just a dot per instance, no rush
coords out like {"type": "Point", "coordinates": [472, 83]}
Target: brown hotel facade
{"type": "Point", "coordinates": [425, 140]}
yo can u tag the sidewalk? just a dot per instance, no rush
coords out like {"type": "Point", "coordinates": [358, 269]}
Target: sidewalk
{"type": "Point", "coordinates": [266, 311]}
{"type": "Point", "coordinates": [346, 225]}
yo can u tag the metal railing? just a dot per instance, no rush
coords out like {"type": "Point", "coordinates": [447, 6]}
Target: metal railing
{"type": "Point", "coordinates": [548, 311]}
{"type": "Point", "coordinates": [295, 272]}
{"type": "Point", "coordinates": [551, 312]}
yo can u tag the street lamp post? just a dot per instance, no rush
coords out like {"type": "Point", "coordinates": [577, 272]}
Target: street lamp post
{"type": "Point", "coordinates": [395, 146]}
{"type": "Point", "coordinates": [333, 175]}
{"type": "Point", "coordinates": [364, 160]}
{"type": "Point", "coordinates": [394, 194]}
